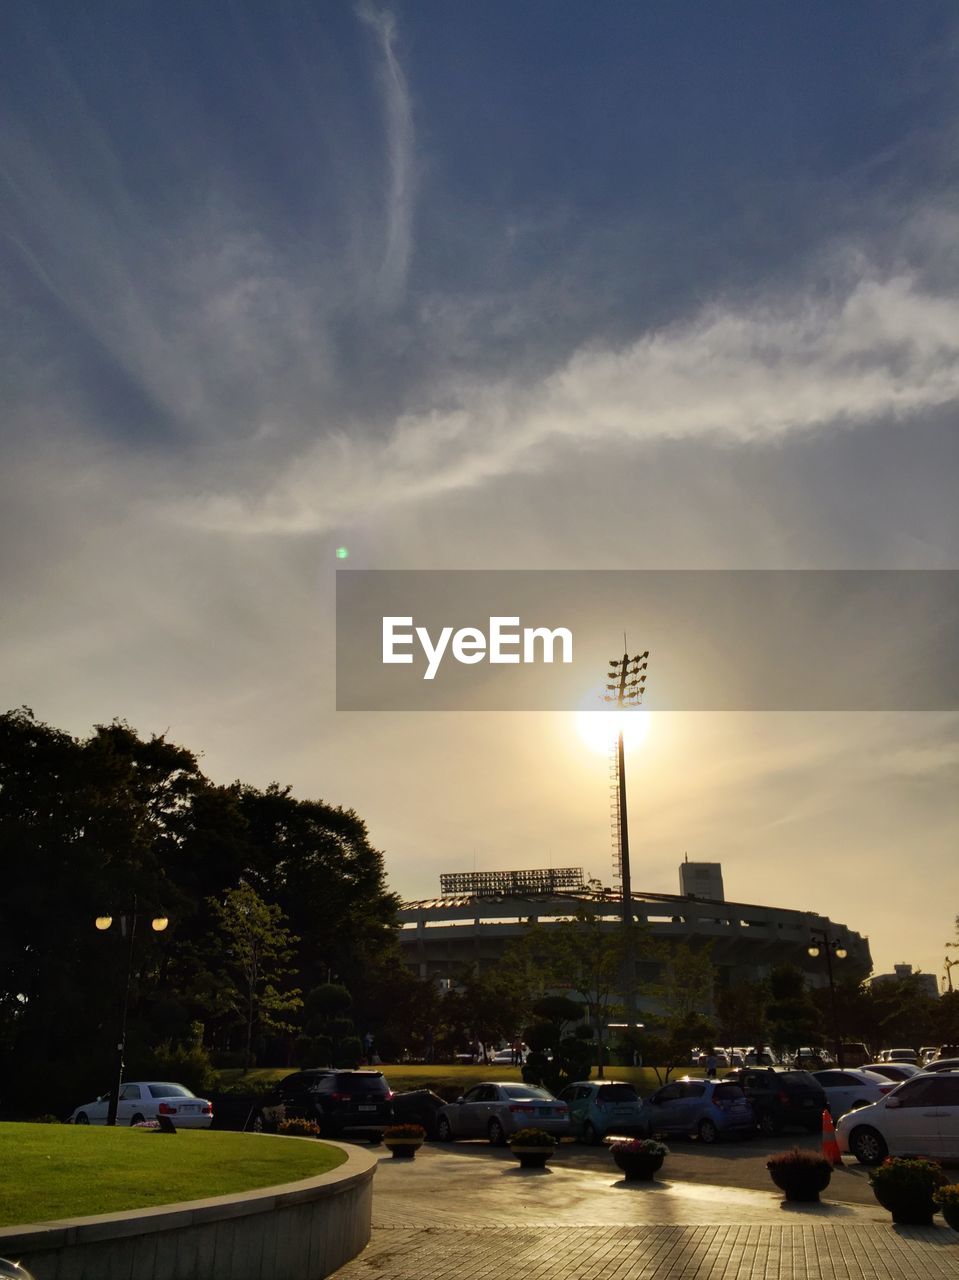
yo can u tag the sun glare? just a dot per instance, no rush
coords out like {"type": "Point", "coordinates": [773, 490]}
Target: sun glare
{"type": "Point", "coordinates": [600, 729]}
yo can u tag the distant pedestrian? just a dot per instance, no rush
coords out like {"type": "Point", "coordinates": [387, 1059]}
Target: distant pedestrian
{"type": "Point", "coordinates": [517, 1055]}
{"type": "Point", "coordinates": [712, 1062]}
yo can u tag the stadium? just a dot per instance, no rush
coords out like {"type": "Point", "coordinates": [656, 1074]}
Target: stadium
{"type": "Point", "coordinates": [478, 914]}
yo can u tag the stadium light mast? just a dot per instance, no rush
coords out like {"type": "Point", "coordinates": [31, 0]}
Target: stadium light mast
{"type": "Point", "coordinates": [626, 684]}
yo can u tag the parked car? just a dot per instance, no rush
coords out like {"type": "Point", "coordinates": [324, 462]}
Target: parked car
{"type": "Point", "coordinates": [339, 1101]}
{"type": "Point", "coordinates": [926, 1054]}
{"type": "Point", "coordinates": [902, 1055]}
{"type": "Point", "coordinates": [600, 1107]}
{"type": "Point", "coordinates": [855, 1054]}
{"type": "Point", "coordinates": [896, 1071]}
{"type": "Point", "coordinates": [506, 1057]}
{"type": "Point", "coordinates": [495, 1110]}
{"type": "Point", "coordinates": [721, 1056]}
{"type": "Point", "coordinates": [708, 1109]}
{"type": "Point", "coordinates": [941, 1064]}
{"type": "Point", "coordinates": [919, 1118]}
{"type": "Point", "coordinates": [946, 1051]}
{"type": "Point", "coordinates": [148, 1100]}
{"type": "Point", "coordinates": [848, 1090]}
{"type": "Point", "coordinates": [780, 1096]}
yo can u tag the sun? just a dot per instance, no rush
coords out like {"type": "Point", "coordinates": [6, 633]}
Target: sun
{"type": "Point", "coordinates": [600, 729]}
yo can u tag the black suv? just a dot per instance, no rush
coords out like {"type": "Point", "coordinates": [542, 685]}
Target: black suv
{"type": "Point", "coordinates": [339, 1101]}
{"type": "Point", "coordinates": [779, 1098]}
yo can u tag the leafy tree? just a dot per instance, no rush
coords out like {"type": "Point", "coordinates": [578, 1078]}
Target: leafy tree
{"type": "Point", "coordinates": [793, 1018]}
{"type": "Point", "coordinates": [258, 948]}
{"type": "Point", "coordinates": [582, 955]}
{"type": "Point", "coordinates": [683, 990]}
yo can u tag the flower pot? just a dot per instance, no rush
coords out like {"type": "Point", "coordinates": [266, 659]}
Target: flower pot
{"type": "Point", "coordinates": [638, 1166]}
{"type": "Point", "coordinates": [803, 1185]}
{"type": "Point", "coordinates": [532, 1157]}
{"type": "Point", "coordinates": [909, 1210]}
{"type": "Point", "coordinates": [950, 1211]}
{"type": "Point", "coordinates": [403, 1148]}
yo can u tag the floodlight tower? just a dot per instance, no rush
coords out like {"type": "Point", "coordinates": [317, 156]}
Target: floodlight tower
{"type": "Point", "coordinates": [626, 684]}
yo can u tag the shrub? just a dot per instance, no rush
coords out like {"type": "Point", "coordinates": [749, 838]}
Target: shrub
{"type": "Point", "coordinates": [404, 1131]}
{"type": "Point", "coordinates": [638, 1146]}
{"type": "Point", "coordinates": [532, 1138]}
{"type": "Point", "coordinates": [296, 1128]}
{"type": "Point", "coordinates": [798, 1159]}
{"type": "Point", "coordinates": [46, 1118]}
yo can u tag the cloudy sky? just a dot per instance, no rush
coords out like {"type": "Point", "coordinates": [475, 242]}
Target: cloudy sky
{"type": "Point", "coordinates": [484, 286]}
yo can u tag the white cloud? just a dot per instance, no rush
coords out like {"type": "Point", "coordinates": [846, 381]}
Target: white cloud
{"type": "Point", "coordinates": [884, 347]}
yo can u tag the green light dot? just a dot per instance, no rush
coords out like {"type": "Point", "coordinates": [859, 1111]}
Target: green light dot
{"type": "Point", "coordinates": [342, 553]}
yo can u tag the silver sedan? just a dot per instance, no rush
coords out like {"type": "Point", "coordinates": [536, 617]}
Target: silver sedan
{"type": "Point", "coordinates": [494, 1111]}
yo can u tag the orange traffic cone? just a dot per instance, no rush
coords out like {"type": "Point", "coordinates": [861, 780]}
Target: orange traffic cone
{"type": "Point", "coordinates": [830, 1147]}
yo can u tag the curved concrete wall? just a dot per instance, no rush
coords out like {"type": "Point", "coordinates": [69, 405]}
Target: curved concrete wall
{"type": "Point", "coordinates": [298, 1231]}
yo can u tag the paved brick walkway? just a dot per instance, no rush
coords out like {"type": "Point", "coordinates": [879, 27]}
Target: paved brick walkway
{"type": "Point", "coordinates": [444, 1216]}
{"type": "Point", "coordinates": [815, 1252]}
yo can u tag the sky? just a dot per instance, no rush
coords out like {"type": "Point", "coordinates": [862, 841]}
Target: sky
{"type": "Point", "coordinates": [488, 286]}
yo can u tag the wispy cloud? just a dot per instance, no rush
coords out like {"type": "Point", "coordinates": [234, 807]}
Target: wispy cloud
{"type": "Point", "coordinates": [885, 347]}
{"type": "Point", "coordinates": [400, 150]}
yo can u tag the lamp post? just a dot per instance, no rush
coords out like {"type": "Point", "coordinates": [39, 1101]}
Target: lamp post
{"type": "Point", "coordinates": [626, 684]}
{"type": "Point", "coordinates": [948, 973]}
{"type": "Point", "coordinates": [822, 942]}
{"type": "Point", "coordinates": [128, 928]}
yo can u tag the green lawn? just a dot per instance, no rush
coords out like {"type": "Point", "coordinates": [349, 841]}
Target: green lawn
{"type": "Point", "coordinates": [453, 1080]}
{"type": "Point", "coordinates": [68, 1171]}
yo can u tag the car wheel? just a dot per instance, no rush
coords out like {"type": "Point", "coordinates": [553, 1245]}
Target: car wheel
{"type": "Point", "coordinates": [82, 1118]}
{"type": "Point", "coordinates": [137, 1119]}
{"type": "Point", "coordinates": [496, 1135]}
{"type": "Point", "coordinates": [590, 1136]}
{"type": "Point", "coordinates": [375, 1139]}
{"type": "Point", "coordinates": [868, 1146]}
{"type": "Point", "coordinates": [707, 1131]}
{"type": "Point", "coordinates": [768, 1125]}
{"type": "Point", "coordinates": [443, 1130]}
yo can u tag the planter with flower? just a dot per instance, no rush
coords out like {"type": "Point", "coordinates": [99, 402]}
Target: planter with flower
{"type": "Point", "coordinates": [907, 1189]}
{"type": "Point", "coordinates": [404, 1140]}
{"type": "Point", "coordinates": [947, 1198]}
{"type": "Point", "coordinates": [298, 1127]}
{"type": "Point", "coordinates": [532, 1147]}
{"type": "Point", "coordinates": [639, 1158]}
{"type": "Point", "coordinates": [800, 1175]}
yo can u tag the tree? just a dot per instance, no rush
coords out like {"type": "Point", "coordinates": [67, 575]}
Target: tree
{"type": "Point", "coordinates": [794, 1021]}
{"type": "Point", "coordinates": [741, 1009]}
{"type": "Point", "coordinates": [258, 948]}
{"type": "Point", "coordinates": [581, 955]}
{"type": "Point", "coordinates": [683, 990]}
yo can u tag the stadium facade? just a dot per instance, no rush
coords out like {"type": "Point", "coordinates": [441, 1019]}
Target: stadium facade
{"type": "Point", "coordinates": [479, 914]}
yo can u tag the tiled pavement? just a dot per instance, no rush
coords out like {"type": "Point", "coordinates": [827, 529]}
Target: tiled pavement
{"type": "Point", "coordinates": [445, 1216]}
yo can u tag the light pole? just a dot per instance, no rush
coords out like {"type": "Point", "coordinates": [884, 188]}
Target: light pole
{"type": "Point", "coordinates": [821, 941]}
{"type": "Point", "coordinates": [626, 684]}
{"type": "Point", "coordinates": [128, 929]}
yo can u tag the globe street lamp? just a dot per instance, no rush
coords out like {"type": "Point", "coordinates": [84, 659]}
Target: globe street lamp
{"type": "Point", "coordinates": [128, 928]}
{"type": "Point", "coordinates": [821, 942]}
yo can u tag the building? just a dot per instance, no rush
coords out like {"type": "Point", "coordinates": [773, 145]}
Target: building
{"type": "Point", "coordinates": [478, 915]}
{"type": "Point", "coordinates": [926, 982]}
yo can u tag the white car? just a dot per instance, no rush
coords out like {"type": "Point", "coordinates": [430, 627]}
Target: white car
{"type": "Point", "coordinates": [850, 1089]}
{"type": "Point", "coordinates": [919, 1118]}
{"type": "Point", "coordinates": [895, 1071]}
{"type": "Point", "coordinates": [148, 1100]}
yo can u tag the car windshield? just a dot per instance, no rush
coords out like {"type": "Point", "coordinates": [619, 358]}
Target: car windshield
{"type": "Point", "coordinates": [796, 1077]}
{"type": "Point", "coordinates": [169, 1091]}
{"type": "Point", "coordinates": [526, 1093]}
